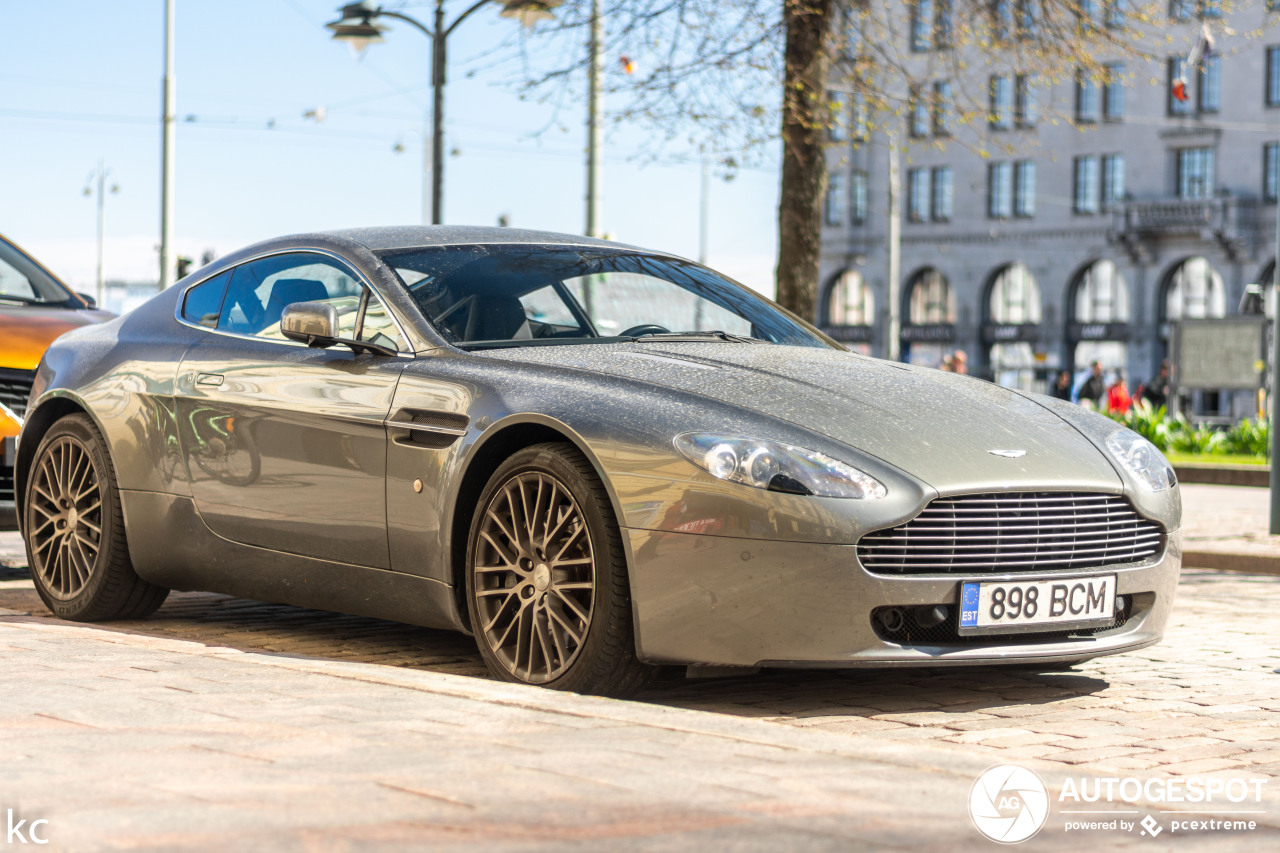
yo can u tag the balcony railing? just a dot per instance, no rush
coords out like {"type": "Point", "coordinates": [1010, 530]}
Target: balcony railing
{"type": "Point", "coordinates": [1227, 220]}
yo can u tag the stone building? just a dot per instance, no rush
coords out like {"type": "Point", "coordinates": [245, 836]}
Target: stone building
{"type": "Point", "coordinates": [1106, 209]}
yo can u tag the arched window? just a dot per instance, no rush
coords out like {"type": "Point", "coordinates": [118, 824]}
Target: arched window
{"type": "Point", "coordinates": [1015, 296]}
{"type": "Point", "coordinates": [1101, 295]}
{"type": "Point", "coordinates": [1014, 301]}
{"type": "Point", "coordinates": [851, 302]}
{"type": "Point", "coordinates": [1194, 291]}
{"type": "Point", "coordinates": [930, 299]}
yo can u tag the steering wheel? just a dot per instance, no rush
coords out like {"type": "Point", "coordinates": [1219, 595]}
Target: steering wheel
{"type": "Point", "coordinates": [644, 329]}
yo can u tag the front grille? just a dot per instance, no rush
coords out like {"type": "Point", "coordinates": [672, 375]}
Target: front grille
{"type": "Point", "coordinates": [908, 632]}
{"type": "Point", "coordinates": [15, 388]}
{"type": "Point", "coordinates": [1014, 532]}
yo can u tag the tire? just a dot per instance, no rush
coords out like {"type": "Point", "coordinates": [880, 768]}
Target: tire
{"type": "Point", "coordinates": [74, 530]}
{"type": "Point", "coordinates": [546, 577]}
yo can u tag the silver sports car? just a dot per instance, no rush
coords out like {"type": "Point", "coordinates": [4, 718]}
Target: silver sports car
{"type": "Point", "coordinates": [597, 459]}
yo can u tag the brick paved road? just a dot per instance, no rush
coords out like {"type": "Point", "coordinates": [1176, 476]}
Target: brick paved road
{"type": "Point", "coordinates": [283, 754]}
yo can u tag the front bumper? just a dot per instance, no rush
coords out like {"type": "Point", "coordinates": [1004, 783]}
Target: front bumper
{"type": "Point", "coordinates": [728, 601]}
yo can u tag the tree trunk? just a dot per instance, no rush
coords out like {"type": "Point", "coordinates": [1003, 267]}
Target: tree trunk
{"type": "Point", "coordinates": [804, 162]}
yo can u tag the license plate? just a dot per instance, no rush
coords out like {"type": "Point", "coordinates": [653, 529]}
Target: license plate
{"type": "Point", "coordinates": [1010, 607]}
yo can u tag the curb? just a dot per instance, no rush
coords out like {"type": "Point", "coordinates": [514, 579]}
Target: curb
{"type": "Point", "coordinates": [1257, 476]}
{"type": "Point", "coordinates": [1258, 564]}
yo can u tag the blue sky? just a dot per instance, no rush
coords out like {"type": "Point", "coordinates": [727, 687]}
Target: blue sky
{"type": "Point", "coordinates": [80, 82]}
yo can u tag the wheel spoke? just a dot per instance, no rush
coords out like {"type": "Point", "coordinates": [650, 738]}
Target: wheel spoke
{"type": "Point", "coordinates": [502, 552]}
{"type": "Point", "coordinates": [577, 611]}
{"type": "Point", "coordinates": [568, 629]}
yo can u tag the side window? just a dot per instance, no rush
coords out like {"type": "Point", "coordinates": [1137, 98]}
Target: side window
{"type": "Point", "coordinates": [259, 291]}
{"type": "Point", "coordinates": [203, 302]}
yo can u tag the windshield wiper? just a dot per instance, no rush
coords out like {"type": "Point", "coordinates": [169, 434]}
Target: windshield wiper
{"type": "Point", "coordinates": [694, 336]}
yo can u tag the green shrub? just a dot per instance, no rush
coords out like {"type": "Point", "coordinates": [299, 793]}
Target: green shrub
{"type": "Point", "coordinates": [1252, 438]}
{"type": "Point", "coordinates": [1186, 438]}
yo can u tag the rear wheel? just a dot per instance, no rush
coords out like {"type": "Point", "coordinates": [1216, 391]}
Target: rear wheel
{"type": "Point", "coordinates": [547, 585]}
{"type": "Point", "coordinates": [74, 530]}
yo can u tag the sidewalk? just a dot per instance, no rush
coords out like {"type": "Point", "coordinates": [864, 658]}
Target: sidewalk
{"type": "Point", "coordinates": [1225, 527]}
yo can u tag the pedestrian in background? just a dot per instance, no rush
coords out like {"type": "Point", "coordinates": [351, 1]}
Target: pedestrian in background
{"type": "Point", "coordinates": [959, 361]}
{"type": "Point", "coordinates": [1062, 386]}
{"type": "Point", "coordinates": [1157, 391]}
{"type": "Point", "coordinates": [1094, 390]}
{"type": "Point", "coordinates": [1118, 399]}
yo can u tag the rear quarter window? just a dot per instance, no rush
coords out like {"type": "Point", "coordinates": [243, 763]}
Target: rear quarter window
{"type": "Point", "coordinates": [203, 303]}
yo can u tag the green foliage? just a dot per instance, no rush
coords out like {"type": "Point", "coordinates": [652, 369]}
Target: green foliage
{"type": "Point", "coordinates": [1247, 438]}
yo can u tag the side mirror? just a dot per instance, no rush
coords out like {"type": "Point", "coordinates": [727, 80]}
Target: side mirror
{"type": "Point", "coordinates": [93, 303]}
{"type": "Point", "coordinates": [312, 323]}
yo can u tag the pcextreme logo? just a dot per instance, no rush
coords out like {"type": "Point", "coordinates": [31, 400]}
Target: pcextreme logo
{"type": "Point", "coordinates": [22, 831]}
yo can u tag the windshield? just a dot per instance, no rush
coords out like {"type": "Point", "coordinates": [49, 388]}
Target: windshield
{"type": "Point", "coordinates": [518, 295]}
{"type": "Point", "coordinates": [24, 282]}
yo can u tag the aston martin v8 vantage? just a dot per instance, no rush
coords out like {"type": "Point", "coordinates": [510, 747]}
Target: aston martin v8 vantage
{"type": "Point", "coordinates": [596, 459]}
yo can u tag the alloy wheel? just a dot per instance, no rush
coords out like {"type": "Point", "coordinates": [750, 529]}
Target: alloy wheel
{"type": "Point", "coordinates": [534, 577]}
{"type": "Point", "coordinates": [66, 532]}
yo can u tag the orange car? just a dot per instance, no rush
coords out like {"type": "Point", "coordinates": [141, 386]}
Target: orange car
{"type": "Point", "coordinates": [35, 308]}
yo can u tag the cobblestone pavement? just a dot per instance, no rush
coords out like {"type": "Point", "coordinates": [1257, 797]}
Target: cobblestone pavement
{"type": "Point", "coordinates": [222, 721]}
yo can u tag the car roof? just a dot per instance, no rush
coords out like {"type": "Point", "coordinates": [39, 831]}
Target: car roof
{"type": "Point", "coordinates": [415, 236]}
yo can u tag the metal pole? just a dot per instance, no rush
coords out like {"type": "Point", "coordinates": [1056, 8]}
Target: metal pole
{"type": "Point", "coordinates": [1275, 380]}
{"type": "Point", "coordinates": [894, 240]}
{"type": "Point", "coordinates": [166, 155]}
{"type": "Point", "coordinates": [438, 37]}
{"type": "Point", "coordinates": [704, 211]}
{"type": "Point", "coordinates": [102, 180]}
{"type": "Point", "coordinates": [594, 68]}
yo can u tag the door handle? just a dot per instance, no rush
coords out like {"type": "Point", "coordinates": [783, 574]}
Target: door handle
{"type": "Point", "coordinates": [214, 379]}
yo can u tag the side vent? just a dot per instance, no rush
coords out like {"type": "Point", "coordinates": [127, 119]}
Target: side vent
{"type": "Point", "coordinates": [425, 429]}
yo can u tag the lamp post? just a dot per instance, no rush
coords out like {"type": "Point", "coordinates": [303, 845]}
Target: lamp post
{"type": "Point", "coordinates": [356, 27]}
{"type": "Point", "coordinates": [99, 176]}
{"type": "Point", "coordinates": [167, 124]}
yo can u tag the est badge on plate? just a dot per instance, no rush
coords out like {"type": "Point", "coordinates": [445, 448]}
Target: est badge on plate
{"type": "Point", "coordinates": [1010, 607]}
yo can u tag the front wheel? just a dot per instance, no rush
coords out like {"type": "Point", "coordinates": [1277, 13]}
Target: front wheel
{"type": "Point", "coordinates": [547, 586]}
{"type": "Point", "coordinates": [74, 530]}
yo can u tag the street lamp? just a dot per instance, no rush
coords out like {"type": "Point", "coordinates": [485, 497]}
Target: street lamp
{"type": "Point", "coordinates": [356, 27]}
{"type": "Point", "coordinates": [99, 177]}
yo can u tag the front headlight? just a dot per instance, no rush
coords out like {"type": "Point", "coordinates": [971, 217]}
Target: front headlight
{"type": "Point", "coordinates": [776, 467]}
{"type": "Point", "coordinates": [1141, 459]}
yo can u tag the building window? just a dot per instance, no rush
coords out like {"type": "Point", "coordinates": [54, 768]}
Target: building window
{"type": "Point", "coordinates": [858, 199]}
{"type": "Point", "coordinates": [1001, 103]}
{"type": "Point", "coordinates": [1271, 170]}
{"type": "Point", "coordinates": [942, 194]}
{"type": "Point", "coordinates": [921, 25]}
{"type": "Point", "coordinates": [920, 119]}
{"type": "Point", "coordinates": [1210, 8]}
{"type": "Point", "coordinates": [1084, 194]}
{"type": "Point", "coordinates": [1086, 98]}
{"type": "Point", "coordinates": [918, 195]}
{"type": "Point", "coordinates": [1195, 291]}
{"type": "Point", "coordinates": [1208, 76]}
{"type": "Point", "coordinates": [834, 208]}
{"type": "Point", "coordinates": [1177, 106]}
{"type": "Point", "coordinates": [1112, 179]}
{"type": "Point", "coordinates": [860, 129]}
{"type": "Point", "coordinates": [999, 190]}
{"type": "Point", "coordinates": [1024, 101]}
{"type": "Point", "coordinates": [942, 24]}
{"type": "Point", "coordinates": [1026, 19]}
{"type": "Point", "coordinates": [1113, 13]}
{"type": "Point", "coordinates": [1024, 189]}
{"type": "Point", "coordinates": [1001, 19]}
{"type": "Point", "coordinates": [852, 303]}
{"type": "Point", "coordinates": [942, 102]}
{"type": "Point", "coordinates": [1195, 173]}
{"type": "Point", "coordinates": [1101, 295]}
{"type": "Point", "coordinates": [838, 121]}
{"type": "Point", "coordinates": [1273, 76]}
{"type": "Point", "coordinates": [1113, 92]}
{"type": "Point", "coordinates": [1181, 10]}
{"type": "Point", "coordinates": [930, 300]}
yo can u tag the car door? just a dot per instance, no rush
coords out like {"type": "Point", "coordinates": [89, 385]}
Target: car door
{"type": "Point", "coordinates": [285, 444]}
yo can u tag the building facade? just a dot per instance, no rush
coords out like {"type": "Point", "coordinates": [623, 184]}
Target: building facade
{"type": "Point", "coordinates": [1104, 208]}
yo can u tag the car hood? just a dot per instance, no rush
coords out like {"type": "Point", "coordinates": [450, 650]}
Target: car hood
{"type": "Point", "coordinates": [939, 427]}
{"type": "Point", "coordinates": [27, 330]}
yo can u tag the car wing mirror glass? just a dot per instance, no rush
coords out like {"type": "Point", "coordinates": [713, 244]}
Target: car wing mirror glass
{"type": "Point", "coordinates": [89, 300]}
